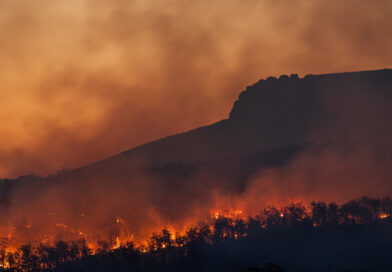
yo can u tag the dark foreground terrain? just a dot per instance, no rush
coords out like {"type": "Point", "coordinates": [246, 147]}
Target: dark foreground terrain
{"type": "Point", "coordinates": [355, 236]}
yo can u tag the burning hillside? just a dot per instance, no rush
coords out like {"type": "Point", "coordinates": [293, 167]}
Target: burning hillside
{"type": "Point", "coordinates": [323, 138]}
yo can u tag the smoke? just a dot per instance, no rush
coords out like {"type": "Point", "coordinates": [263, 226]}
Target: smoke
{"type": "Point", "coordinates": [82, 80]}
{"type": "Point", "coordinates": [350, 154]}
{"type": "Point", "coordinates": [129, 205]}
{"type": "Point", "coordinates": [329, 175]}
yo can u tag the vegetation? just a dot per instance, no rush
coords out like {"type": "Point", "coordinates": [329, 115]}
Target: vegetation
{"type": "Point", "coordinates": [354, 236]}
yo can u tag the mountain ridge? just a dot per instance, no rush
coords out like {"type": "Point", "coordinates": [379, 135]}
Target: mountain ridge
{"type": "Point", "coordinates": [272, 113]}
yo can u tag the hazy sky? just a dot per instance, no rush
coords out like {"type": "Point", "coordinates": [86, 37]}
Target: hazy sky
{"type": "Point", "coordinates": [81, 80]}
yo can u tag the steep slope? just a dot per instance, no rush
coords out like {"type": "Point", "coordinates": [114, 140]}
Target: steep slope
{"type": "Point", "coordinates": [275, 113]}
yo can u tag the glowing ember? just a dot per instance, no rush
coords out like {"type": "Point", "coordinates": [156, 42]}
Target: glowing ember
{"type": "Point", "coordinates": [216, 215]}
{"type": "Point", "coordinates": [383, 215]}
{"type": "Point", "coordinates": [120, 221]}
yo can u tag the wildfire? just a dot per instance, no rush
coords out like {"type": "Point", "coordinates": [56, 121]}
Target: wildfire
{"type": "Point", "coordinates": [229, 213]}
{"type": "Point", "coordinates": [216, 215]}
{"type": "Point", "coordinates": [117, 244]}
{"type": "Point", "coordinates": [383, 215]}
{"type": "Point", "coordinates": [118, 233]}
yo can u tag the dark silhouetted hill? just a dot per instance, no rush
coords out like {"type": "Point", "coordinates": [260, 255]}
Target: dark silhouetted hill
{"type": "Point", "coordinates": [278, 112]}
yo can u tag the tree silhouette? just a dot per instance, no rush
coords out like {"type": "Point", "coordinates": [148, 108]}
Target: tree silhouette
{"type": "Point", "coordinates": [207, 246]}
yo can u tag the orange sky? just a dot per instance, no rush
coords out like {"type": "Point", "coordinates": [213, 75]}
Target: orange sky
{"type": "Point", "coordinates": [81, 80]}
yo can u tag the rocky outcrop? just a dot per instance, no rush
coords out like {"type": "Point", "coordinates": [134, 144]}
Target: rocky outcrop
{"type": "Point", "coordinates": [278, 112]}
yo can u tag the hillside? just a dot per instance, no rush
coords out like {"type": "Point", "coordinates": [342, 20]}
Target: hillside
{"type": "Point", "coordinates": [323, 138]}
{"type": "Point", "coordinates": [278, 112]}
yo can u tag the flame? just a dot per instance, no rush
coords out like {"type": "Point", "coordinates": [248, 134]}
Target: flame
{"type": "Point", "coordinates": [119, 233]}
{"type": "Point", "coordinates": [231, 213]}
{"type": "Point", "coordinates": [216, 215]}
{"type": "Point", "coordinates": [117, 244]}
{"type": "Point", "coordinates": [383, 215]}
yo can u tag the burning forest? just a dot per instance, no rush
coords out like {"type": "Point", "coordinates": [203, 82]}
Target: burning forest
{"type": "Point", "coordinates": [314, 169]}
{"type": "Point", "coordinates": [170, 249]}
{"type": "Point", "coordinates": [125, 144]}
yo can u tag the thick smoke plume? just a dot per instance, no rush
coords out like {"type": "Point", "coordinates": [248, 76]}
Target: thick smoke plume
{"type": "Point", "coordinates": [82, 80]}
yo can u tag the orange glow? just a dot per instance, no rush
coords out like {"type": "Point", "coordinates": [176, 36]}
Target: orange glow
{"type": "Point", "coordinates": [117, 244]}
{"type": "Point", "coordinates": [120, 235]}
{"type": "Point", "coordinates": [68, 232]}
{"type": "Point", "coordinates": [383, 215]}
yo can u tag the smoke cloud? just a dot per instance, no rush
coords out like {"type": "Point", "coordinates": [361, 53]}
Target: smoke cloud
{"type": "Point", "coordinates": [82, 80]}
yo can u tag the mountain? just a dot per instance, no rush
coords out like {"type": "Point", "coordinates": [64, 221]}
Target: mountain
{"type": "Point", "coordinates": [276, 113]}
{"type": "Point", "coordinates": [321, 137]}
